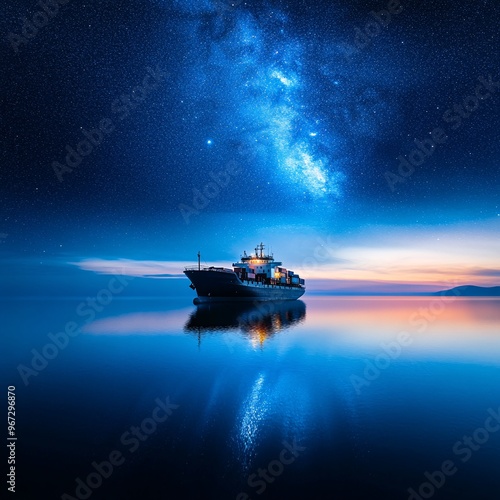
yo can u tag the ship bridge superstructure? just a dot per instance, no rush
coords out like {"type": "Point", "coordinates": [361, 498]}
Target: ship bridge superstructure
{"type": "Point", "coordinates": [263, 268]}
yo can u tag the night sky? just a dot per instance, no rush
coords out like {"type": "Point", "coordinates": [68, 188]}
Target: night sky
{"type": "Point", "coordinates": [302, 112]}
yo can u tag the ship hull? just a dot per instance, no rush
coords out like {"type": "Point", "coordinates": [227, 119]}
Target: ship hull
{"type": "Point", "coordinates": [217, 286]}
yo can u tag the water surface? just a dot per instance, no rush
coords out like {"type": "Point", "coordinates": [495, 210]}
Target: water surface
{"type": "Point", "coordinates": [370, 393]}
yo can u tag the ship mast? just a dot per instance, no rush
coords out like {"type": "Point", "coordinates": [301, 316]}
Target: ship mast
{"type": "Point", "coordinates": [261, 248]}
{"type": "Point", "coordinates": [199, 257]}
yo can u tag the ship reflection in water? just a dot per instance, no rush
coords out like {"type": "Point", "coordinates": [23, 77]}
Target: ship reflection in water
{"type": "Point", "coordinates": [257, 320]}
{"type": "Point", "coordinates": [364, 413]}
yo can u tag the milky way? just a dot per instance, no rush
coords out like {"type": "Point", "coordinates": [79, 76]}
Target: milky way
{"type": "Point", "coordinates": [254, 71]}
{"type": "Point", "coordinates": [272, 86]}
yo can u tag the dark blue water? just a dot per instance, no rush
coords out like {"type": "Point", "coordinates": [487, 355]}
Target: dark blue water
{"type": "Point", "coordinates": [342, 398]}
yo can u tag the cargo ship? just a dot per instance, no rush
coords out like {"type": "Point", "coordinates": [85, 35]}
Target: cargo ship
{"type": "Point", "coordinates": [254, 277]}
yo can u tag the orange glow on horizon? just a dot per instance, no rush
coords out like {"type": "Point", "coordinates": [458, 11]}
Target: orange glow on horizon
{"type": "Point", "coordinates": [438, 257]}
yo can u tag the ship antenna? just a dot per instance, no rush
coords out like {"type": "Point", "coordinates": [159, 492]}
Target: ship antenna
{"type": "Point", "coordinates": [199, 257]}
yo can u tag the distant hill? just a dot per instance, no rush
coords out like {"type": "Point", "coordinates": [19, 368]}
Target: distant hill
{"type": "Point", "coordinates": [471, 291]}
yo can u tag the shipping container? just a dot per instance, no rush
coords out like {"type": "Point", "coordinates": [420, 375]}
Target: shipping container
{"type": "Point", "coordinates": [302, 282]}
{"type": "Point", "coordinates": [251, 275]}
{"type": "Point", "coordinates": [283, 280]}
{"type": "Point", "coordinates": [295, 280]}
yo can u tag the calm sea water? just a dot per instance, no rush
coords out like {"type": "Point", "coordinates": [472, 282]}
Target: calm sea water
{"type": "Point", "coordinates": [330, 397]}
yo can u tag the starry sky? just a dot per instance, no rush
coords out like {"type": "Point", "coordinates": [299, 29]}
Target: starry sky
{"type": "Point", "coordinates": [141, 132]}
